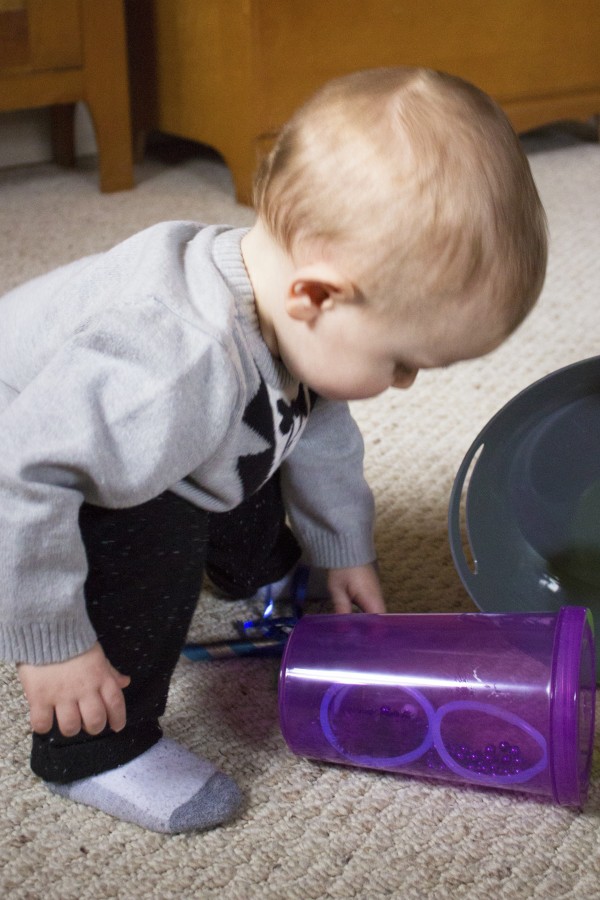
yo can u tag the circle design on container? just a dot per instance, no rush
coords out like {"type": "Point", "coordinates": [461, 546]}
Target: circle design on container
{"type": "Point", "coordinates": [336, 691]}
{"type": "Point", "coordinates": [481, 777]}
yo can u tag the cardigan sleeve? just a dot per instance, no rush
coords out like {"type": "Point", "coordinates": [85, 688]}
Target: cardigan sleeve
{"type": "Point", "coordinates": [328, 500]}
{"type": "Point", "coordinates": [114, 419]}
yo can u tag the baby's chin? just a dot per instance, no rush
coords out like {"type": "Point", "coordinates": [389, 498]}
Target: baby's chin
{"type": "Point", "coordinates": [320, 380]}
{"type": "Point", "coordinates": [349, 393]}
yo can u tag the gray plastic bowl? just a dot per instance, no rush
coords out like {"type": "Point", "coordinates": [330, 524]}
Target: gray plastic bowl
{"type": "Point", "coordinates": [532, 509]}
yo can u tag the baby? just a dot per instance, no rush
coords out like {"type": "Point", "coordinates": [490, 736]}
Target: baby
{"type": "Point", "coordinates": [177, 404]}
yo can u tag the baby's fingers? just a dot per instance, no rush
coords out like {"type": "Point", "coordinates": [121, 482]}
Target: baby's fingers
{"type": "Point", "coordinates": [68, 718]}
{"type": "Point", "coordinates": [93, 714]}
{"type": "Point", "coordinates": [41, 718]}
{"type": "Point", "coordinates": [371, 604]}
{"type": "Point", "coordinates": [122, 680]}
{"type": "Point", "coordinates": [341, 601]}
{"type": "Point", "coordinates": [114, 703]}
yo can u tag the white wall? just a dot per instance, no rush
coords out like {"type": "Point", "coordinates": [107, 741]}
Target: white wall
{"type": "Point", "coordinates": [25, 136]}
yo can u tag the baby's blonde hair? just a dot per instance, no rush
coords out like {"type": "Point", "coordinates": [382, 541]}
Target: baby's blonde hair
{"type": "Point", "coordinates": [418, 181]}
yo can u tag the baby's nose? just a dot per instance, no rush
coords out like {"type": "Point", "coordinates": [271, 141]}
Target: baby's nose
{"type": "Point", "coordinates": [404, 377]}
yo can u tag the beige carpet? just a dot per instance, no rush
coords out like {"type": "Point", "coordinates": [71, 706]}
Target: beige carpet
{"type": "Point", "coordinates": [311, 830]}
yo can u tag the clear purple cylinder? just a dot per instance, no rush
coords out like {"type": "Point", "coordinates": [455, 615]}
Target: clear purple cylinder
{"type": "Point", "coordinates": [494, 700]}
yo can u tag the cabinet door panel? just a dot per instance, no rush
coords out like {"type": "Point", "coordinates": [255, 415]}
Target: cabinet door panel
{"type": "Point", "coordinates": [40, 35]}
{"type": "Point", "coordinates": [14, 34]}
{"type": "Point", "coordinates": [513, 49]}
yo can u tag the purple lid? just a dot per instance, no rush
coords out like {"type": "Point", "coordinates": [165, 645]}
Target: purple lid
{"type": "Point", "coordinates": [572, 697]}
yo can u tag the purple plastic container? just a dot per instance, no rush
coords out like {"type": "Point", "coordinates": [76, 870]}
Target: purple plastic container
{"type": "Point", "coordinates": [504, 701]}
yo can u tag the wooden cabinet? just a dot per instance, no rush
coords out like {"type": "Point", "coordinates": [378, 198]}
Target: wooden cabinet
{"type": "Point", "coordinates": [58, 52]}
{"type": "Point", "coordinates": [228, 74]}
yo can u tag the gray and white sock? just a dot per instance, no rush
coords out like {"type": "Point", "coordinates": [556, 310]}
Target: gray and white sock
{"type": "Point", "coordinates": [167, 789]}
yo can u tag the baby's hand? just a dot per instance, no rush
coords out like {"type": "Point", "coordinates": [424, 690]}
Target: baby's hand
{"type": "Point", "coordinates": [84, 692]}
{"type": "Point", "coordinates": [357, 584]}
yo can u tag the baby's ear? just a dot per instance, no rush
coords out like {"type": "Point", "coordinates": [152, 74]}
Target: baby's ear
{"type": "Point", "coordinates": [316, 289]}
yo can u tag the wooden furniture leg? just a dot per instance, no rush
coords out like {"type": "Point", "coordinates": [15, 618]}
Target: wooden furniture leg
{"type": "Point", "coordinates": [106, 90]}
{"type": "Point", "coordinates": [62, 130]}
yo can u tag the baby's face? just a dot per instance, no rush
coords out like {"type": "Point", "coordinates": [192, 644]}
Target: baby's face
{"type": "Point", "coordinates": [356, 351]}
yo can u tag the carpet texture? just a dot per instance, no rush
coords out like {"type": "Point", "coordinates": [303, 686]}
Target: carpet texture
{"type": "Point", "coordinates": [311, 830]}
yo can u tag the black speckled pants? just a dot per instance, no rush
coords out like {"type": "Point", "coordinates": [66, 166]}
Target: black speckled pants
{"type": "Point", "coordinates": [145, 573]}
